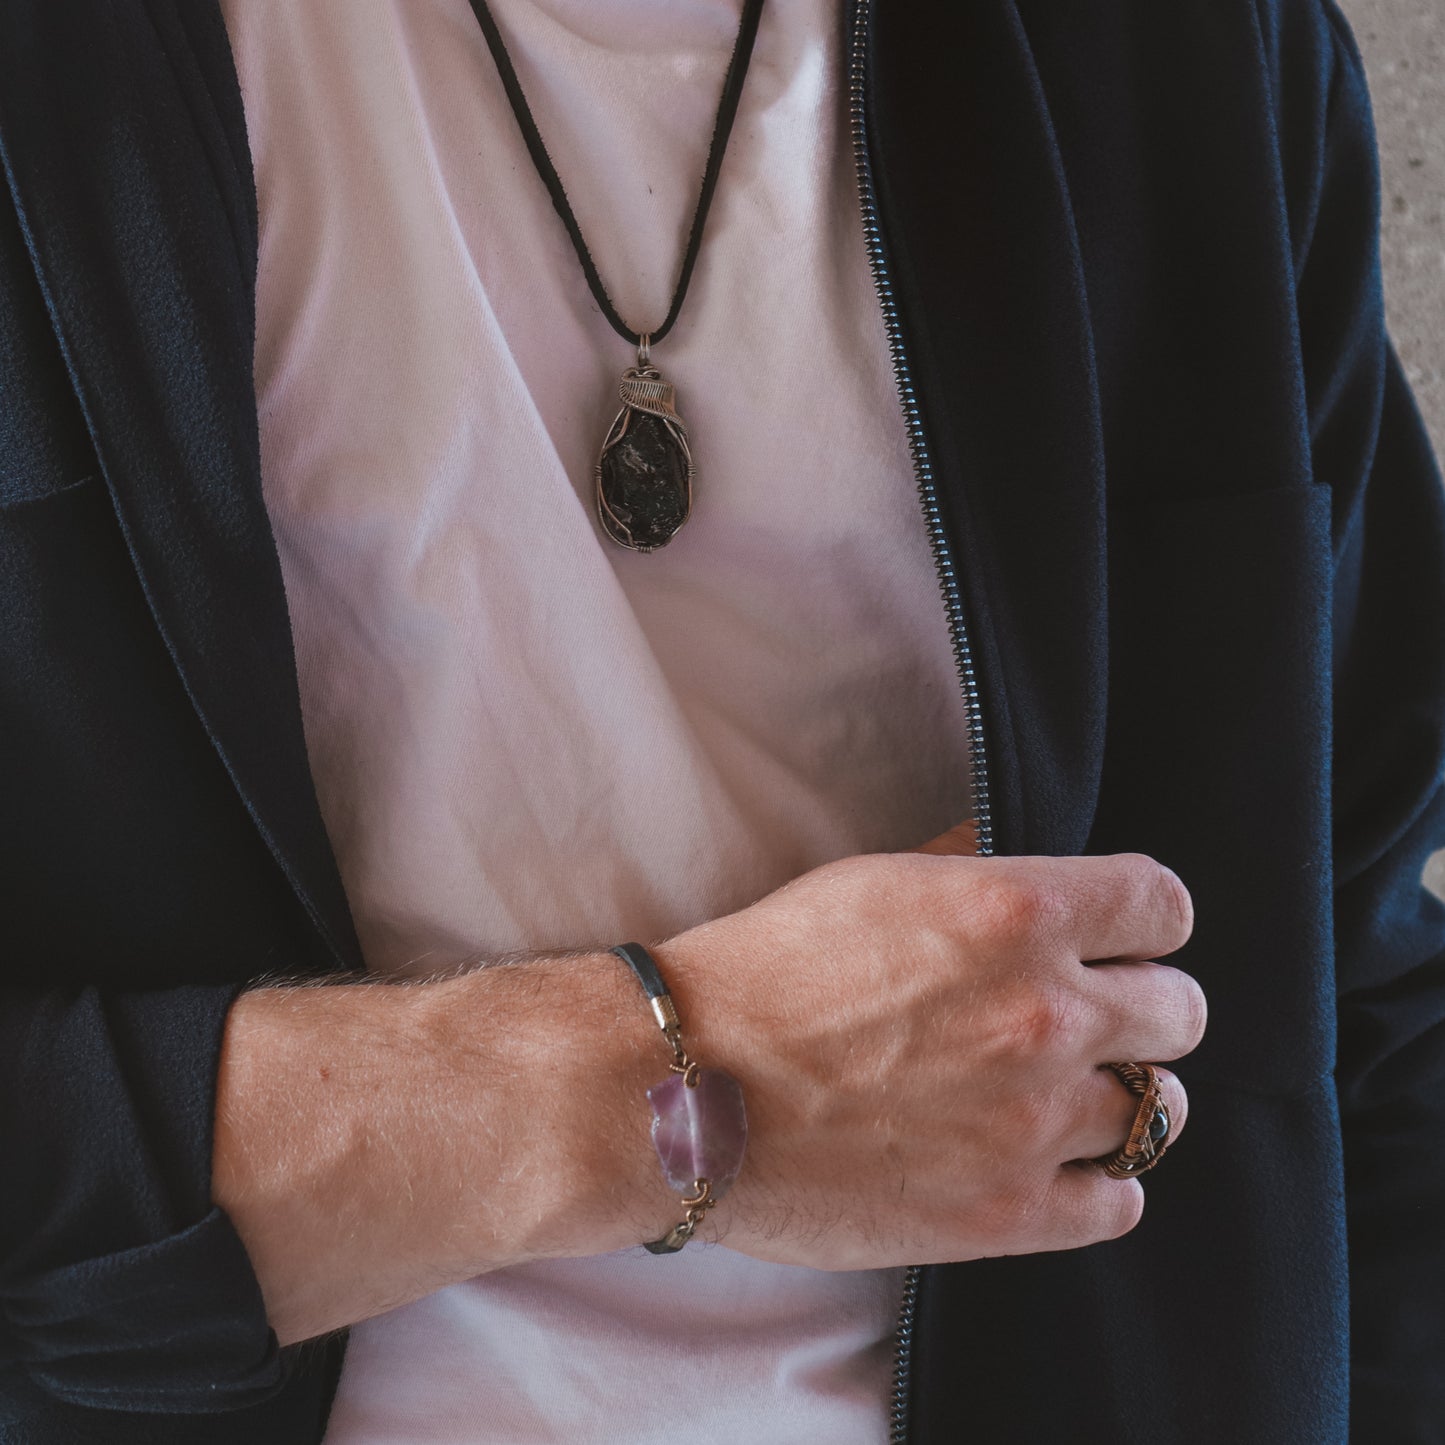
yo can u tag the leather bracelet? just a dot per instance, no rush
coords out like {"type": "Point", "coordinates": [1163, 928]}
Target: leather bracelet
{"type": "Point", "coordinates": [699, 1125]}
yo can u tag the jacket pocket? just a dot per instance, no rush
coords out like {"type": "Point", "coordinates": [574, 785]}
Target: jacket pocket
{"type": "Point", "coordinates": [17, 493]}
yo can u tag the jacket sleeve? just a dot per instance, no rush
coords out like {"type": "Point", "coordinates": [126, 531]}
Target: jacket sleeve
{"type": "Point", "coordinates": [121, 1287]}
{"type": "Point", "coordinates": [1370, 446]}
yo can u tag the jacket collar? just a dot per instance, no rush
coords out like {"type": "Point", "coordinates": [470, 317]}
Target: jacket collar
{"type": "Point", "coordinates": [145, 253]}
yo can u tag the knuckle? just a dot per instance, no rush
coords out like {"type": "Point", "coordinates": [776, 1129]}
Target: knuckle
{"type": "Point", "coordinates": [1158, 894]}
{"type": "Point", "coordinates": [1124, 1208]}
{"type": "Point", "coordinates": [1046, 1018]}
{"type": "Point", "coordinates": [1175, 905]}
{"type": "Point", "coordinates": [1022, 907]}
{"type": "Point", "coordinates": [1195, 1015]}
{"type": "Point", "coordinates": [1182, 1010]}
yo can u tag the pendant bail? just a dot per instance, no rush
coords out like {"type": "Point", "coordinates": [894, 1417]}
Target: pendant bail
{"type": "Point", "coordinates": [644, 350]}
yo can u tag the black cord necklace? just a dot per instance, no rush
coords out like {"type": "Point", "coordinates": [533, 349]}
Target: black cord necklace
{"type": "Point", "coordinates": [644, 472]}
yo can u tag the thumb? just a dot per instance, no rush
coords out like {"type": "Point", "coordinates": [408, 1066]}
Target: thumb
{"type": "Point", "coordinates": [961, 839]}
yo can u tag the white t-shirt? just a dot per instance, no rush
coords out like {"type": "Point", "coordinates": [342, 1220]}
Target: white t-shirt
{"type": "Point", "coordinates": [524, 736]}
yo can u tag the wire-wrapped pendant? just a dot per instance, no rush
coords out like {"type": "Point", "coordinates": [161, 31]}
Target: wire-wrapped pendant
{"type": "Point", "coordinates": [644, 471]}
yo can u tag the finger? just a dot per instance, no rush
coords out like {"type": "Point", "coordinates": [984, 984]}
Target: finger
{"type": "Point", "coordinates": [1125, 906]}
{"type": "Point", "coordinates": [1085, 1206]}
{"type": "Point", "coordinates": [1145, 1010]}
{"type": "Point", "coordinates": [1106, 1110]}
{"type": "Point", "coordinates": [961, 840]}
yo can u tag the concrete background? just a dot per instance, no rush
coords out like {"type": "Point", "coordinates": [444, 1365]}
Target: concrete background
{"type": "Point", "coordinates": [1403, 43]}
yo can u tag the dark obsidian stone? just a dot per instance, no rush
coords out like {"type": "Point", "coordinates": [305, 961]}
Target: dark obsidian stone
{"type": "Point", "coordinates": [643, 480]}
{"type": "Point", "coordinates": [1158, 1127]}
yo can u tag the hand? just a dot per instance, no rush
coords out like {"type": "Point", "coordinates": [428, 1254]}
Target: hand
{"type": "Point", "coordinates": [919, 1037]}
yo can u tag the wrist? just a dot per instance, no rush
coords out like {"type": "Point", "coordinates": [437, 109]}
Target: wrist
{"type": "Point", "coordinates": [574, 1043]}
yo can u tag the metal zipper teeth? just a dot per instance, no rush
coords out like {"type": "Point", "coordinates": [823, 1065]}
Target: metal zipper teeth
{"type": "Point", "coordinates": [917, 441]}
{"type": "Point", "coordinates": [948, 583]}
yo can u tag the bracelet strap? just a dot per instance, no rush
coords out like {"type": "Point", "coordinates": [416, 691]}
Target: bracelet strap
{"type": "Point", "coordinates": [642, 963]}
{"type": "Point", "coordinates": [699, 1125]}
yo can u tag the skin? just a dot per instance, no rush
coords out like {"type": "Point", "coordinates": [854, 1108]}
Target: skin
{"type": "Point", "coordinates": [918, 1035]}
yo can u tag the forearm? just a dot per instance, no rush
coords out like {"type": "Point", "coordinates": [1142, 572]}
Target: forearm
{"type": "Point", "coordinates": [919, 1040]}
{"type": "Point", "coordinates": [374, 1143]}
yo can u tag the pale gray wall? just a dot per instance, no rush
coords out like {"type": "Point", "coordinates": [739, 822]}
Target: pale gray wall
{"type": "Point", "coordinates": [1403, 42]}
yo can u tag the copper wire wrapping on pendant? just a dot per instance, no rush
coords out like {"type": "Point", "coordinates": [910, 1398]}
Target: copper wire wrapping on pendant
{"type": "Point", "coordinates": [644, 471]}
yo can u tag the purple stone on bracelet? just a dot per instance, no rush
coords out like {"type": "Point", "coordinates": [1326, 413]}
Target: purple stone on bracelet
{"type": "Point", "coordinates": [700, 1129]}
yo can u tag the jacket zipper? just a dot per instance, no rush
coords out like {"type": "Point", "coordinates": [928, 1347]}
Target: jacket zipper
{"type": "Point", "coordinates": [899, 1398]}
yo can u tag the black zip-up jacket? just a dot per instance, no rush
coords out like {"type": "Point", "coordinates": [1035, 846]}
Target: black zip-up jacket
{"type": "Point", "coordinates": [1185, 510]}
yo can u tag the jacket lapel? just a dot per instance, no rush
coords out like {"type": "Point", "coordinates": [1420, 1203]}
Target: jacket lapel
{"type": "Point", "coordinates": [147, 260]}
{"type": "Point", "coordinates": [989, 281]}
{"type": "Point", "coordinates": [146, 256]}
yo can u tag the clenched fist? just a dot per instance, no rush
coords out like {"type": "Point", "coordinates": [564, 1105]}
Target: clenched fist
{"type": "Point", "coordinates": [920, 1038]}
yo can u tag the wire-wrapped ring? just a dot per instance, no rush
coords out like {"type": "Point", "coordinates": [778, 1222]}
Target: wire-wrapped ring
{"type": "Point", "coordinates": [1149, 1135]}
